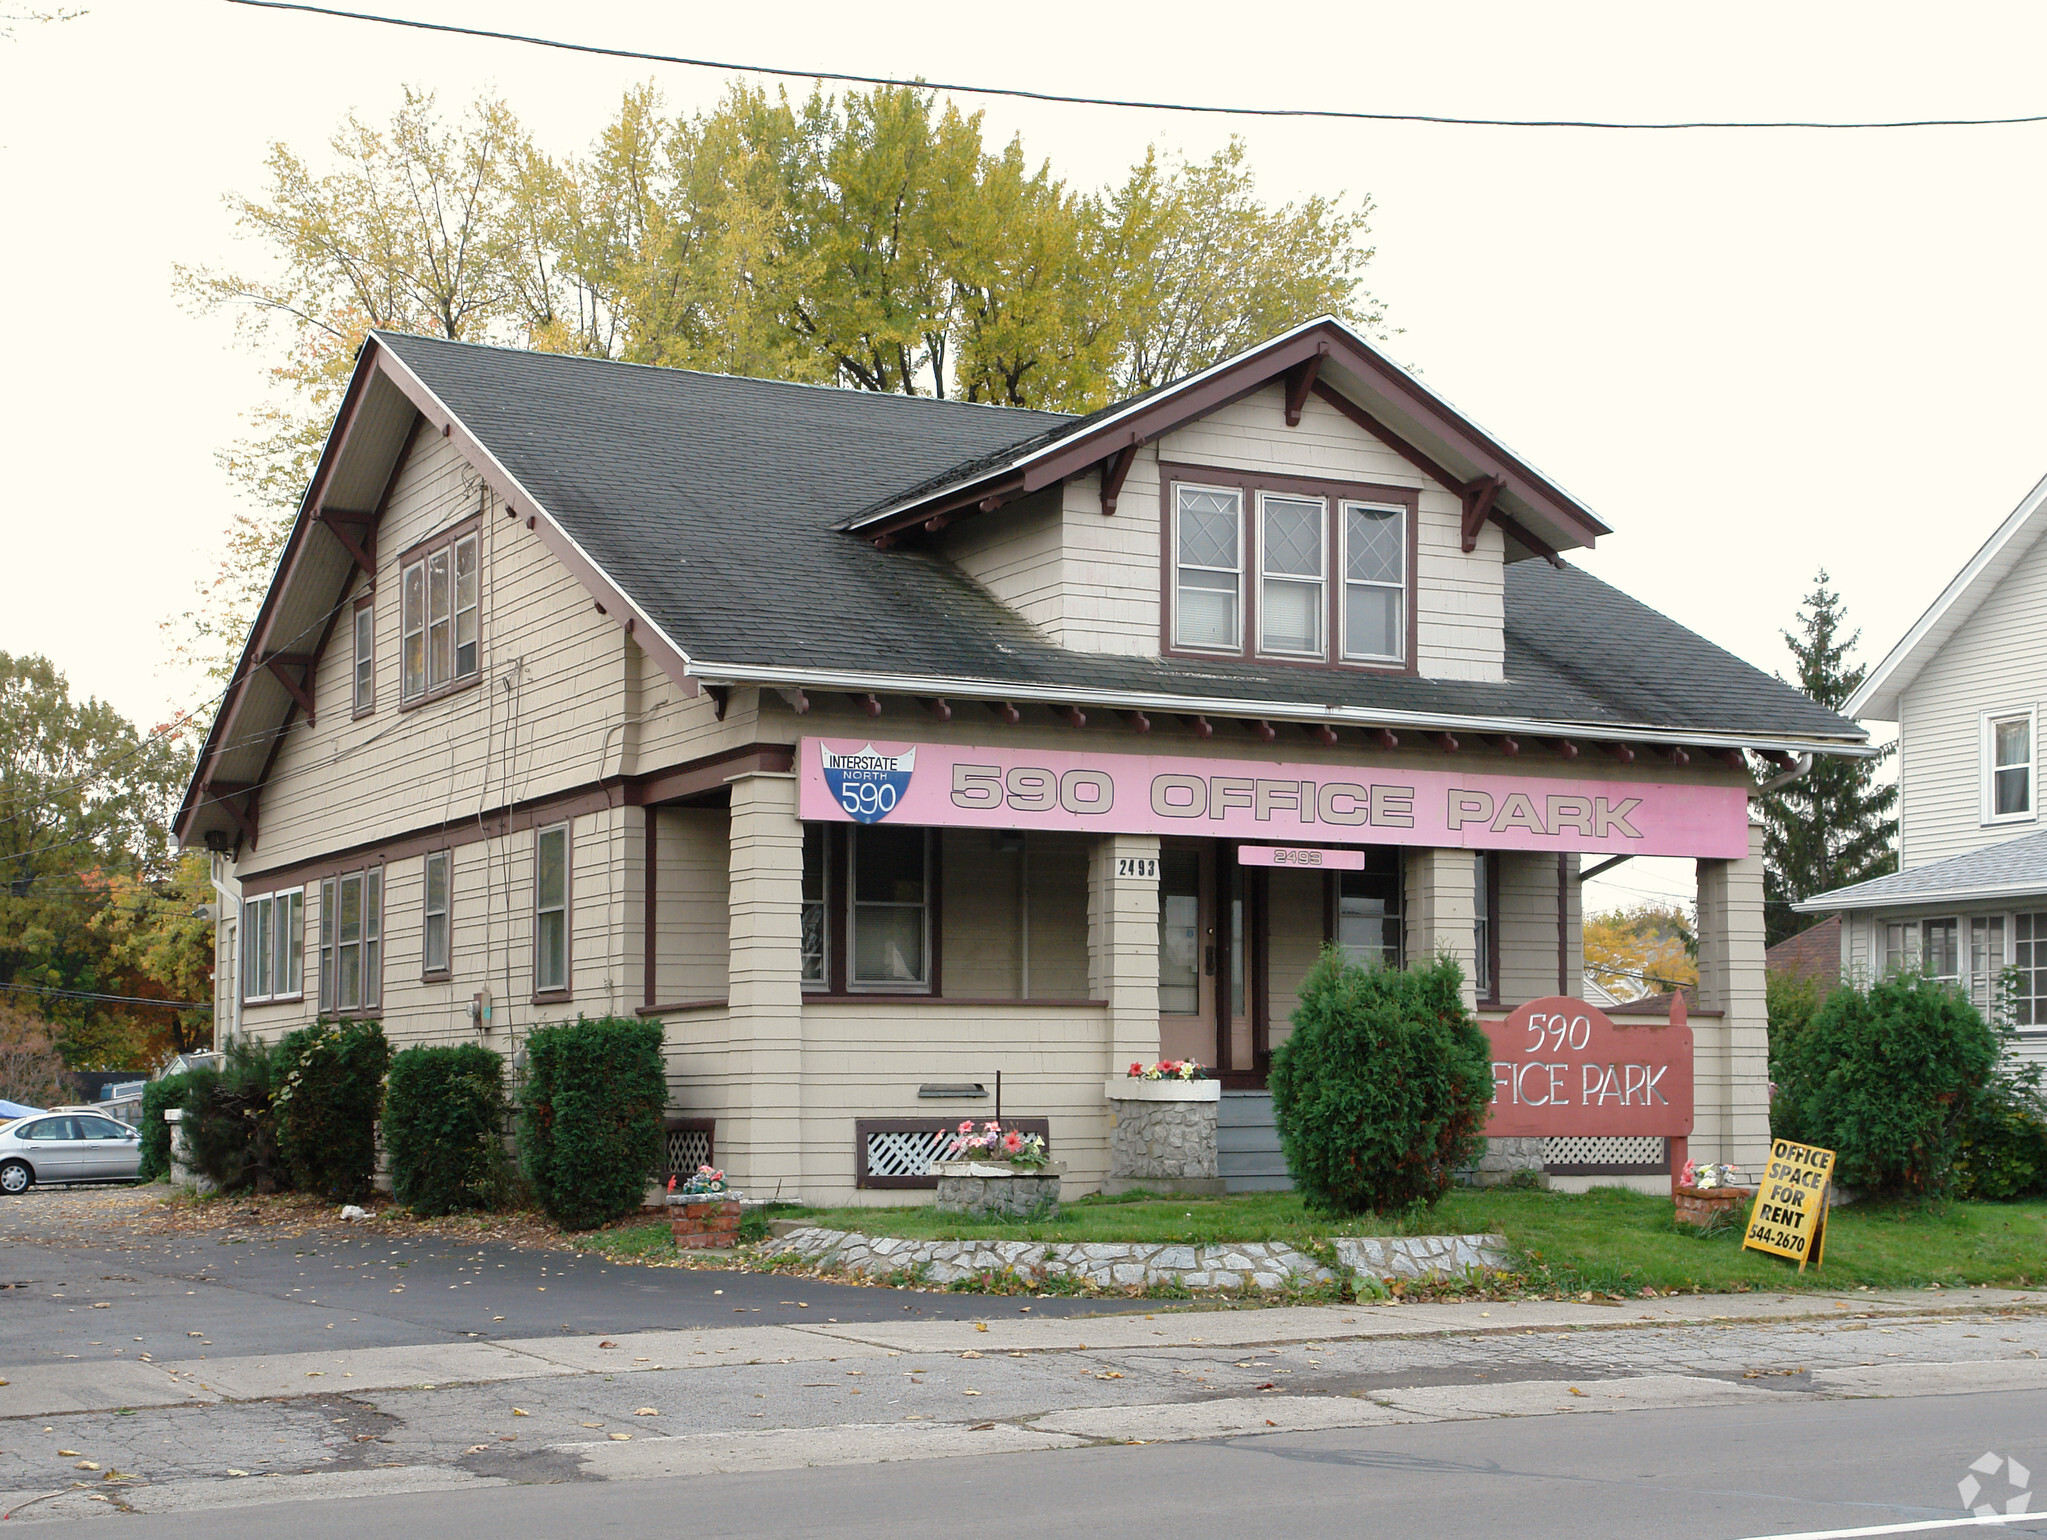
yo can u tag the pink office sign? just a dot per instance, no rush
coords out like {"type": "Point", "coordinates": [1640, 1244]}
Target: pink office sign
{"type": "Point", "coordinates": [1267, 802]}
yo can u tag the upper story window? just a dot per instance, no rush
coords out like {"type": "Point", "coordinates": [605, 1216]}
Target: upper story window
{"type": "Point", "coordinates": [2008, 767]}
{"type": "Point", "coordinates": [365, 656]}
{"type": "Point", "coordinates": [438, 617]}
{"type": "Point", "coordinates": [273, 939]}
{"type": "Point", "coordinates": [1328, 579]}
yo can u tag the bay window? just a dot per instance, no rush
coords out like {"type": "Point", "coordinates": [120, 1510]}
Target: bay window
{"type": "Point", "coordinates": [438, 619]}
{"type": "Point", "coordinates": [352, 941]}
{"type": "Point", "coordinates": [273, 946]}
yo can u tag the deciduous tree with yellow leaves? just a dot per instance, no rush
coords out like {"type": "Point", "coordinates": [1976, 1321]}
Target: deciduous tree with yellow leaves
{"type": "Point", "coordinates": [1650, 949]}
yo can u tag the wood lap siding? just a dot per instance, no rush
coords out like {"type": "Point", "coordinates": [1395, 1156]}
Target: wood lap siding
{"type": "Point", "coordinates": [1996, 661]}
{"type": "Point", "coordinates": [693, 913]}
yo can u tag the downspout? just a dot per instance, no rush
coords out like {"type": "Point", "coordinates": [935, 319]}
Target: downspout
{"type": "Point", "coordinates": [1798, 771]}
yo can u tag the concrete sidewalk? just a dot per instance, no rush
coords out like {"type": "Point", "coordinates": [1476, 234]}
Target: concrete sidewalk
{"type": "Point", "coordinates": [48, 1389]}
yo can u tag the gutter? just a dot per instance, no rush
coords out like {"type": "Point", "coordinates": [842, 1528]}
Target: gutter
{"type": "Point", "coordinates": [1842, 898]}
{"type": "Point", "coordinates": [713, 673]}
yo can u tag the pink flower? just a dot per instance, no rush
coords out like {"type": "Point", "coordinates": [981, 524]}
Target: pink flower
{"type": "Point", "coordinates": [967, 1126]}
{"type": "Point", "coordinates": [1012, 1141]}
{"type": "Point", "coordinates": [1137, 1069]}
{"type": "Point", "coordinates": [671, 1184]}
{"type": "Point", "coordinates": [991, 1126]}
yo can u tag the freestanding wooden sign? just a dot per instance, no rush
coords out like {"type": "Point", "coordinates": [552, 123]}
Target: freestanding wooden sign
{"type": "Point", "coordinates": [1789, 1218]}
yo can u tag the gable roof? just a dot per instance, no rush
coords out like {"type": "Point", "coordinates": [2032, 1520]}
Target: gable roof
{"type": "Point", "coordinates": [2014, 868]}
{"type": "Point", "coordinates": [708, 512]}
{"type": "Point", "coordinates": [1879, 695]}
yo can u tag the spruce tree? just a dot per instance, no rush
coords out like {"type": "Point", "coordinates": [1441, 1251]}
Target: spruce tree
{"type": "Point", "coordinates": [1837, 824]}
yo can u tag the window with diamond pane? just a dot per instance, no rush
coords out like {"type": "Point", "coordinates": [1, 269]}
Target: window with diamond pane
{"type": "Point", "coordinates": [1290, 598]}
{"type": "Point", "coordinates": [1205, 614]}
{"type": "Point", "coordinates": [1375, 581]}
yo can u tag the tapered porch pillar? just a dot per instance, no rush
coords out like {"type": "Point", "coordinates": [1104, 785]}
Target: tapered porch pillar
{"type": "Point", "coordinates": [1731, 1056]}
{"type": "Point", "coordinates": [1442, 911]}
{"type": "Point", "coordinates": [1123, 945]}
{"type": "Point", "coordinates": [759, 1143]}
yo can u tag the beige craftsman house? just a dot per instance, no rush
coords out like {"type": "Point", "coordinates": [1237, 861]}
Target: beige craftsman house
{"type": "Point", "coordinates": [880, 746]}
{"type": "Point", "coordinates": [1965, 686]}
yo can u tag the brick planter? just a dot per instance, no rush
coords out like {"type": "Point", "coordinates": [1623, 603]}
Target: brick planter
{"type": "Point", "coordinates": [709, 1223]}
{"type": "Point", "coordinates": [1162, 1135]}
{"type": "Point", "coordinates": [994, 1189]}
{"type": "Point", "coordinates": [1703, 1206]}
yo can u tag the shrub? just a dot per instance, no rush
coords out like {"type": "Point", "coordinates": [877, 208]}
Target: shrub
{"type": "Point", "coordinates": [230, 1126]}
{"type": "Point", "coordinates": [590, 1130]}
{"type": "Point", "coordinates": [1792, 998]}
{"type": "Point", "coordinates": [1888, 1078]}
{"type": "Point", "coordinates": [1381, 1092]}
{"type": "Point", "coordinates": [329, 1095]}
{"type": "Point", "coordinates": [157, 1096]}
{"type": "Point", "coordinates": [2004, 1142]}
{"type": "Point", "coordinates": [444, 1121]}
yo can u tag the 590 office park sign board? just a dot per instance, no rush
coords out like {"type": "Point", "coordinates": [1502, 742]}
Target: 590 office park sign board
{"type": "Point", "coordinates": [1271, 802]}
{"type": "Point", "coordinates": [1563, 1069]}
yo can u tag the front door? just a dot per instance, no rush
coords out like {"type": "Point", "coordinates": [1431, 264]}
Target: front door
{"type": "Point", "coordinates": [1208, 956]}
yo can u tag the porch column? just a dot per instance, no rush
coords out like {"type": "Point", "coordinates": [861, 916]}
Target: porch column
{"type": "Point", "coordinates": [1123, 946]}
{"type": "Point", "coordinates": [1442, 914]}
{"type": "Point", "coordinates": [760, 1141]}
{"type": "Point", "coordinates": [1732, 1054]}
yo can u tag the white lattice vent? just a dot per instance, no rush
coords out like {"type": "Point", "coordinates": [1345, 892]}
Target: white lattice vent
{"type": "Point", "coordinates": [1605, 1150]}
{"type": "Point", "coordinates": [905, 1152]}
{"type": "Point", "coordinates": [688, 1148]}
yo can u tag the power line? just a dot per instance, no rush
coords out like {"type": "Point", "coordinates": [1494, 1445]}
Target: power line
{"type": "Point", "coordinates": [1064, 99]}
{"type": "Point", "coordinates": [88, 994]}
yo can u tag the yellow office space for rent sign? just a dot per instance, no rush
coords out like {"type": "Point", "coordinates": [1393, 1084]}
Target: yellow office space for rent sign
{"type": "Point", "coordinates": [1790, 1213]}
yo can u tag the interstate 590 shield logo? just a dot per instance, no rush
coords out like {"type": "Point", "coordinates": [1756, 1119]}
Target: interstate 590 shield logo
{"type": "Point", "coordinates": [868, 784]}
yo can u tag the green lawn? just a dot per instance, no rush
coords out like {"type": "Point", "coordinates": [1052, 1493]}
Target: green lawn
{"type": "Point", "coordinates": [1608, 1240]}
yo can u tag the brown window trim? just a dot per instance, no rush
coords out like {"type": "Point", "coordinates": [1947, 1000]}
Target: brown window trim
{"type": "Point", "coordinates": [437, 975]}
{"type": "Point", "coordinates": [567, 992]}
{"type": "Point", "coordinates": [838, 965]}
{"type": "Point", "coordinates": [1249, 483]}
{"type": "Point", "coordinates": [370, 1010]}
{"type": "Point", "coordinates": [368, 601]}
{"type": "Point", "coordinates": [862, 1127]}
{"type": "Point", "coordinates": [412, 556]}
{"type": "Point", "coordinates": [1492, 897]}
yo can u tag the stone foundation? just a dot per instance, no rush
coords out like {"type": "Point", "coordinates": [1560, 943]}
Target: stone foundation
{"type": "Point", "coordinates": [996, 1190]}
{"type": "Point", "coordinates": [1240, 1267]}
{"type": "Point", "coordinates": [1503, 1161]}
{"type": "Point", "coordinates": [1160, 1140]}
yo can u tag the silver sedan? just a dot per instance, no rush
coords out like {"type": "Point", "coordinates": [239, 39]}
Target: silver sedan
{"type": "Point", "coordinates": [67, 1147]}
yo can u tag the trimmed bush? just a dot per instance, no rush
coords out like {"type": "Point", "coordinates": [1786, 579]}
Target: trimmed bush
{"type": "Point", "coordinates": [229, 1125]}
{"type": "Point", "coordinates": [329, 1096]}
{"type": "Point", "coordinates": [590, 1129]}
{"type": "Point", "coordinates": [444, 1121]}
{"type": "Point", "coordinates": [1380, 1094]}
{"type": "Point", "coordinates": [1888, 1078]}
{"type": "Point", "coordinates": [157, 1096]}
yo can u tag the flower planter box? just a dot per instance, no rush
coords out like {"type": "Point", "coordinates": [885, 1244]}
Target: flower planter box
{"type": "Point", "coordinates": [709, 1222]}
{"type": "Point", "coordinates": [1703, 1206]}
{"type": "Point", "coordinates": [1162, 1135]}
{"type": "Point", "coordinates": [995, 1189]}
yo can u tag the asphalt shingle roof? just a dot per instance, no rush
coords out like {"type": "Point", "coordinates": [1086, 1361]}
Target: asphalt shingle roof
{"type": "Point", "coordinates": [712, 501]}
{"type": "Point", "coordinates": [2014, 866]}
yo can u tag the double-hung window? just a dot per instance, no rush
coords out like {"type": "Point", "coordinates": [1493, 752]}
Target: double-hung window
{"type": "Point", "coordinates": [433, 939]}
{"type": "Point", "coordinates": [551, 910]}
{"type": "Point", "coordinates": [352, 941]}
{"type": "Point", "coordinates": [890, 912]}
{"type": "Point", "coordinates": [273, 943]}
{"type": "Point", "coordinates": [2008, 767]}
{"type": "Point", "coordinates": [1482, 872]}
{"type": "Point", "coordinates": [365, 657]}
{"type": "Point", "coordinates": [1208, 569]}
{"type": "Point", "coordinates": [1292, 594]}
{"type": "Point", "coordinates": [1987, 958]}
{"type": "Point", "coordinates": [1374, 582]}
{"type": "Point", "coordinates": [438, 636]}
{"type": "Point", "coordinates": [816, 923]}
{"type": "Point", "coordinates": [1368, 913]}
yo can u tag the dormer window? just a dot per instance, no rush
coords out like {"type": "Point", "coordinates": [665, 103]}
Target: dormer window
{"type": "Point", "coordinates": [1330, 569]}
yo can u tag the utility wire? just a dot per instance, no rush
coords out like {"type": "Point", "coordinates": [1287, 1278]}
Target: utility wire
{"type": "Point", "coordinates": [1065, 99]}
{"type": "Point", "coordinates": [87, 994]}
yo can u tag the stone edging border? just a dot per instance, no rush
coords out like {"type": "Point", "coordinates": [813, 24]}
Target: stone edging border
{"type": "Point", "coordinates": [1239, 1266]}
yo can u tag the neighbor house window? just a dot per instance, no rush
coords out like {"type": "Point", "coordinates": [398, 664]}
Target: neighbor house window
{"type": "Point", "coordinates": [1374, 582]}
{"type": "Point", "coordinates": [1482, 924]}
{"type": "Point", "coordinates": [2008, 767]}
{"type": "Point", "coordinates": [1940, 950]}
{"type": "Point", "coordinates": [1328, 575]}
{"type": "Point", "coordinates": [551, 910]}
{"type": "Point", "coordinates": [1901, 944]}
{"type": "Point", "coordinates": [2029, 957]}
{"type": "Point", "coordinates": [1368, 924]}
{"type": "Point", "coordinates": [1208, 586]}
{"type": "Point", "coordinates": [273, 943]}
{"type": "Point", "coordinates": [815, 927]}
{"type": "Point", "coordinates": [890, 912]}
{"type": "Point", "coordinates": [352, 941]}
{"type": "Point", "coordinates": [438, 618]}
{"type": "Point", "coordinates": [434, 914]}
{"type": "Point", "coordinates": [1292, 596]}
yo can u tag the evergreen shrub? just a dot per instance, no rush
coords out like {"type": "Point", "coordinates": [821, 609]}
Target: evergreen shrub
{"type": "Point", "coordinates": [230, 1126]}
{"type": "Point", "coordinates": [444, 1120]}
{"type": "Point", "coordinates": [1888, 1078]}
{"type": "Point", "coordinates": [590, 1116]}
{"type": "Point", "coordinates": [1380, 1093]}
{"type": "Point", "coordinates": [328, 1098]}
{"type": "Point", "coordinates": [2004, 1143]}
{"type": "Point", "coordinates": [157, 1097]}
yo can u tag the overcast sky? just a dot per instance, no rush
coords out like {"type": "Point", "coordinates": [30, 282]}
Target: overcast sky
{"type": "Point", "coordinates": [1751, 353]}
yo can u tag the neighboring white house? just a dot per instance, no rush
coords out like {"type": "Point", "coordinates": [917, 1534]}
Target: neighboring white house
{"type": "Point", "coordinates": [1965, 687]}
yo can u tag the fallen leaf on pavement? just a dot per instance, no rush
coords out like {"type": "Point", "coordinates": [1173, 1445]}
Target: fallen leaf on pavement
{"type": "Point", "coordinates": [87, 1465]}
{"type": "Point", "coordinates": [970, 1392]}
{"type": "Point", "coordinates": [980, 1326]}
{"type": "Point", "coordinates": [1576, 1391]}
{"type": "Point", "coordinates": [593, 1424]}
{"type": "Point", "coordinates": [981, 1427]}
{"type": "Point", "coordinates": [645, 1411]}
{"type": "Point", "coordinates": [607, 1344]}
{"type": "Point", "coordinates": [970, 1353]}
{"type": "Point", "coordinates": [69, 1454]}
{"type": "Point", "coordinates": [1268, 1385]}
{"type": "Point", "coordinates": [476, 1449]}
{"type": "Point", "coordinates": [619, 1438]}
{"type": "Point", "coordinates": [520, 1411]}
{"type": "Point", "coordinates": [1270, 1423]}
